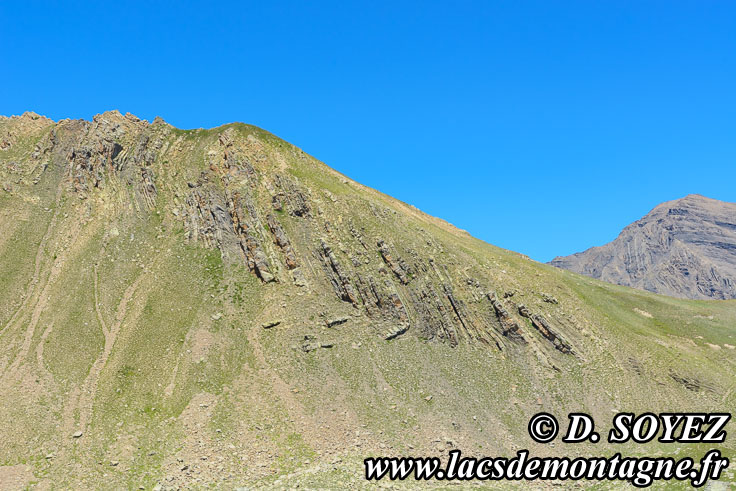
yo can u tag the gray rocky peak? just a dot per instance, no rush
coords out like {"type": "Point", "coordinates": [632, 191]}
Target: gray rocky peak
{"type": "Point", "coordinates": [683, 248]}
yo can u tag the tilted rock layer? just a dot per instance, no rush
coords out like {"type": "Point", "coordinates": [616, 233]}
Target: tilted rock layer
{"type": "Point", "coordinates": [684, 248]}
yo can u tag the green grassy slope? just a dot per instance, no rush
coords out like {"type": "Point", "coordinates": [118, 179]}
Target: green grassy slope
{"type": "Point", "coordinates": [133, 314]}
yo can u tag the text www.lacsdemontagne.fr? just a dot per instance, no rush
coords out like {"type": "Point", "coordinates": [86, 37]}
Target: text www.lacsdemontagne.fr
{"type": "Point", "coordinates": [639, 471]}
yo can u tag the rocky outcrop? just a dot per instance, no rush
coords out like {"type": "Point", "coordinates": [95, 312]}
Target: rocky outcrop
{"type": "Point", "coordinates": [336, 275]}
{"type": "Point", "coordinates": [509, 327]}
{"type": "Point", "coordinates": [282, 241]}
{"type": "Point", "coordinates": [541, 324]}
{"type": "Point", "coordinates": [462, 314]}
{"type": "Point", "coordinates": [433, 319]}
{"type": "Point", "coordinates": [235, 164]}
{"type": "Point", "coordinates": [207, 217]}
{"type": "Point", "coordinates": [310, 343]}
{"type": "Point", "coordinates": [381, 302]}
{"type": "Point", "coordinates": [691, 383]}
{"type": "Point", "coordinates": [338, 321]}
{"type": "Point", "coordinates": [226, 219]}
{"type": "Point", "coordinates": [398, 266]}
{"type": "Point", "coordinates": [287, 192]}
{"type": "Point", "coordinates": [684, 248]}
{"type": "Point", "coordinates": [147, 189]}
{"type": "Point", "coordinates": [546, 330]}
{"type": "Point", "coordinates": [114, 147]}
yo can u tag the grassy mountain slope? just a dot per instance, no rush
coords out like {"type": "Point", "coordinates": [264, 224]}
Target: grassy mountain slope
{"type": "Point", "coordinates": [140, 264]}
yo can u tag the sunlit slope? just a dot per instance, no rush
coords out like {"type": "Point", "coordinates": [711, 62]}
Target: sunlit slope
{"type": "Point", "coordinates": [140, 264]}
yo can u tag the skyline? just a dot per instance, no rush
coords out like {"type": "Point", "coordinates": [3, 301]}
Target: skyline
{"type": "Point", "coordinates": [592, 246]}
{"type": "Point", "coordinates": [544, 129]}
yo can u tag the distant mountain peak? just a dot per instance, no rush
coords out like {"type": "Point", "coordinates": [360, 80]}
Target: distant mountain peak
{"type": "Point", "coordinates": [684, 248]}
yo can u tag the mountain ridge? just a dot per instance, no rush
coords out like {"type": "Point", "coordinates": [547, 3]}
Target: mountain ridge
{"type": "Point", "coordinates": [216, 307]}
{"type": "Point", "coordinates": [684, 247]}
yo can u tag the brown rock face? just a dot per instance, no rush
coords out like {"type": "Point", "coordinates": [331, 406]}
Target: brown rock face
{"type": "Point", "coordinates": [683, 248]}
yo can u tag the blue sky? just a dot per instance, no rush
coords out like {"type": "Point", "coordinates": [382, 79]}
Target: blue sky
{"type": "Point", "coordinates": [539, 126]}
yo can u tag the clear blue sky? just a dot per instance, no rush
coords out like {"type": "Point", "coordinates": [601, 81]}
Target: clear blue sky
{"type": "Point", "coordinates": [539, 126]}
